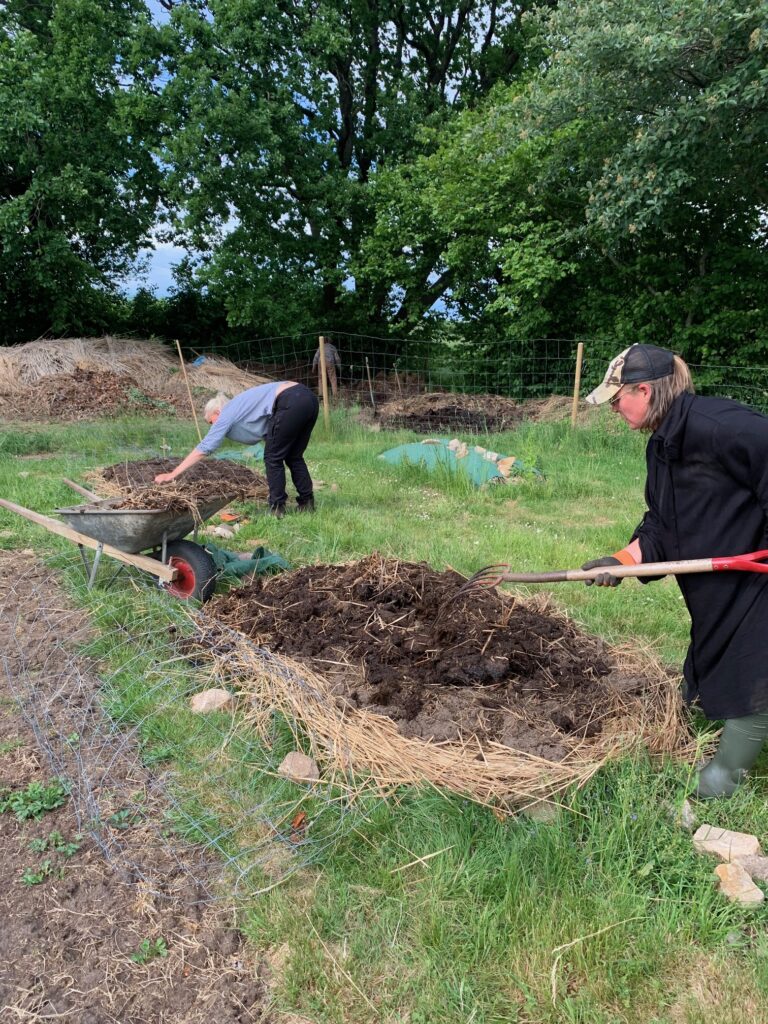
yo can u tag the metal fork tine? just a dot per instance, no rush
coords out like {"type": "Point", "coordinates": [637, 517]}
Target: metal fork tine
{"type": "Point", "coordinates": [486, 578]}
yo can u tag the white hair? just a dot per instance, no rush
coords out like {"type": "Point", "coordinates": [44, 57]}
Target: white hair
{"type": "Point", "coordinates": [215, 404]}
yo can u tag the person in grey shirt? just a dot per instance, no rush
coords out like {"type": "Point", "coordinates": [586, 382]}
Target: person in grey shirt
{"type": "Point", "coordinates": [282, 414]}
{"type": "Point", "coordinates": [332, 365]}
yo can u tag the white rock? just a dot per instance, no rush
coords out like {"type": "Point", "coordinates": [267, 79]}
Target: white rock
{"type": "Point", "coordinates": [210, 700]}
{"type": "Point", "coordinates": [299, 767]}
{"type": "Point", "coordinates": [223, 531]}
{"type": "Point", "coordinates": [727, 845]}
{"type": "Point", "coordinates": [736, 884]}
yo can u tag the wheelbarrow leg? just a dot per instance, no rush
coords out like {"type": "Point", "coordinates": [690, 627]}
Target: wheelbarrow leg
{"type": "Point", "coordinates": [92, 569]}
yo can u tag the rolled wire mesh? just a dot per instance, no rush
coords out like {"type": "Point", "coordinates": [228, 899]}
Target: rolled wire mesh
{"type": "Point", "coordinates": [114, 724]}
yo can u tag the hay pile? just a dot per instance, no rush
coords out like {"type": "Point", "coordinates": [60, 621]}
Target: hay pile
{"type": "Point", "coordinates": [87, 378]}
{"type": "Point", "coordinates": [394, 680]}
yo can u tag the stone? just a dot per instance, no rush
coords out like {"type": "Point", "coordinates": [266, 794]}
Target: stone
{"type": "Point", "coordinates": [737, 886]}
{"type": "Point", "coordinates": [210, 700]}
{"type": "Point", "coordinates": [299, 767]}
{"type": "Point", "coordinates": [756, 867]}
{"type": "Point", "coordinates": [727, 845]}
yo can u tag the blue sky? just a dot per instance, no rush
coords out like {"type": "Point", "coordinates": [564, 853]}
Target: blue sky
{"type": "Point", "coordinates": [158, 274]}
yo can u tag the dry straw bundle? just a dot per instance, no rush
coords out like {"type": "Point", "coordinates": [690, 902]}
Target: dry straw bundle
{"type": "Point", "coordinates": [148, 361]}
{"type": "Point", "coordinates": [218, 374]}
{"type": "Point", "coordinates": [356, 744]}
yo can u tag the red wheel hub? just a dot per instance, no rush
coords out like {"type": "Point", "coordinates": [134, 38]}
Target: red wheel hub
{"type": "Point", "coordinates": [184, 584]}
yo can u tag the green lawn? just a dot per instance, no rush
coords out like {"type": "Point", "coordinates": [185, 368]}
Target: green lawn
{"type": "Point", "coordinates": [425, 908]}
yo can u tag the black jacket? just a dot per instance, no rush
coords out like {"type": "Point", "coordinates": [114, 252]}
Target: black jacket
{"type": "Point", "coordinates": [707, 495]}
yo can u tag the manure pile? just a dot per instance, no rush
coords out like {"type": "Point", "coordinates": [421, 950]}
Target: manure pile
{"type": "Point", "coordinates": [435, 412]}
{"type": "Point", "coordinates": [80, 395]}
{"type": "Point", "coordinates": [389, 638]}
{"type": "Point", "coordinates": [205, 481]}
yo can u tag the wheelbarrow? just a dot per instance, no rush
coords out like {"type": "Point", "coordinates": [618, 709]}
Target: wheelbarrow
{"type": "Point", "coordinates": [182, 567]}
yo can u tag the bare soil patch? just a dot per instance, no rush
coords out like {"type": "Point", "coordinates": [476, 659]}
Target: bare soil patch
{"type": "Point", "coordinates": [77, 946]}
{"type": "Point", "coordinates": [391, 638]}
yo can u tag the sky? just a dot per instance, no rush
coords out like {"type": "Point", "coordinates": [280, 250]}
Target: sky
{"type": "Point", "coordinates": [158, 276]}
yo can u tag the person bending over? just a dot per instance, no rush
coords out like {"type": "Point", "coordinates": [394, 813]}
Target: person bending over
{"type": "Point", "coordinates": [282, 414]}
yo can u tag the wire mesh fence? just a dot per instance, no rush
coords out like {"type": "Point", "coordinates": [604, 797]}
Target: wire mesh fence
{"type": "Point", "coordinates": [108, 699]}
{"type": "Point", "coordinates": [376, 368]}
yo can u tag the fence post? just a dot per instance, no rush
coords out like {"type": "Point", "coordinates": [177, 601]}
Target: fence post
{"type": "Point", "coordinates": [577, 382]}
{"type": "Point", "coordinates": [324, 384]}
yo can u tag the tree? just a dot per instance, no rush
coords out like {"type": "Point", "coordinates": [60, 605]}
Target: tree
{"type": "Point", "coordinates": [618, 191]}
{"type": "Point", "coordinates": [78, 181]}
{"type": "Point", "coordinates": [282, 115]}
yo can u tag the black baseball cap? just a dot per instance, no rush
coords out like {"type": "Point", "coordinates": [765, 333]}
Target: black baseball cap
{"type": "Point", "coordinates": [634, 365]}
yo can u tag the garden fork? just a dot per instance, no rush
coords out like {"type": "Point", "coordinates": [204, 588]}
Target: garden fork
{"type": "Point", "coordinates": [492, 575]}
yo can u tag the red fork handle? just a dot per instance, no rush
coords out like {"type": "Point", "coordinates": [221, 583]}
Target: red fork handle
{"type": "Point", "coordinates": [752, 562]}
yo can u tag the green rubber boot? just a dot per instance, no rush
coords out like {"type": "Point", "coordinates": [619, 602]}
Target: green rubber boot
{"type": "Point", "coordinates": [740, 744]}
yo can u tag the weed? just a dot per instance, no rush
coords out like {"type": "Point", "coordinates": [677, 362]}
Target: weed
{"type": "Point", "coordinates": [35, 800]}
{"type": "Point", "coordinates": [150, 949]}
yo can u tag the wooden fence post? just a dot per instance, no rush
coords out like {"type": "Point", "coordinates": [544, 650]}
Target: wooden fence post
{"type": "Point", "coordinates": [324, 385]}
{"type": "Point", "coordinates": [577, 382]}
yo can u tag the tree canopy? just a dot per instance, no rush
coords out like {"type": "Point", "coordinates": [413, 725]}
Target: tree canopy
{"type": "Point", "coordinates": [78, 180]}
{"type": "Point", "coordinates": [596, 169]}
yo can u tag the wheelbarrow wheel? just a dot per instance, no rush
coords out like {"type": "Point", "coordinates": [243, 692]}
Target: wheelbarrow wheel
{"type": "Point", "coordinates": [196, 571]}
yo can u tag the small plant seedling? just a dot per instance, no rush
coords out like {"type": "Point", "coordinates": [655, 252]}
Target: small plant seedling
{"type": "Point", "coordinates": [123, 819]}
{"type": "Point", "coordinates": [35, 800]}
{"type": "Point", "coordinates": [8, 746]}
{"type": "Point", "coordinates": [149, 949]}
{"type": "Point", "coordinates": [56, 842]}
{"type": "Point", "coordinates": [32, 877]}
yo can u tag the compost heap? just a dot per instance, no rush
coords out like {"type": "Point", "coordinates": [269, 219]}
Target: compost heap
{"type": "Point", "coordinates": [392, 637]}
{"type": "Point", "coordinates": [82, 395]}
{"type": "Point", "coordinates": [435, 412]}
{"type": "Point", "coordinates": [72, 379]}
{"type": "Point", "coordinates": [204, 482]}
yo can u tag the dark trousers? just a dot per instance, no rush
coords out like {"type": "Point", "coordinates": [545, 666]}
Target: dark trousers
{"type": "Point", "coordinates": [293, 417]}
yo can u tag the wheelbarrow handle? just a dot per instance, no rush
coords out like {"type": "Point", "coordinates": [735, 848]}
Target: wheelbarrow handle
{"type": "Point", "coordinates": [752, 562]}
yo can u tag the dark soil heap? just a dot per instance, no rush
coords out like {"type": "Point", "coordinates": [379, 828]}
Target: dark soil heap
{"type": "Point", "coordinates": [204, 482]}
{"type": "Point", "coordinates": [390, 636]}
{"type": "Point", "coordinates": [436, 412]}
{"type": "Point", "coordinates": [83, 395]}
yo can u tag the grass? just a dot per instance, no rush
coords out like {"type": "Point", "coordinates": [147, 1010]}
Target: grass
{"type": "Point", "coordinates": [426, 909]}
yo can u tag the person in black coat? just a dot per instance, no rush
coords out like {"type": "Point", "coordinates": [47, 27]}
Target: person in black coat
{"type": "Point", "coordinates": [707, 495]}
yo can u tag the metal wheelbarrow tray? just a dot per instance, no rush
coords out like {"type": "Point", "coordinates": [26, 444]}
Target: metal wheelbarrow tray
{"type": "Point", "coordinates": [182, 567]}
{"type": "Point", "coordinates": [135, 530]}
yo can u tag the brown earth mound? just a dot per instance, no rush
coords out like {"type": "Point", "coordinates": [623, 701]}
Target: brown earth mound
{"type": "Point", "coordinates": [436, 412]}
{"type": "Point", "coordinates": [391, 637]}
{"type": "Point", "coordinates": [81, 395]}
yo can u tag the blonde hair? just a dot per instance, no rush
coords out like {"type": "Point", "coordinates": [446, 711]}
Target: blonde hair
{"type": "Point", "coordinates": [663, 393]}
{"type": "Point", "coordinates": [215, 404]}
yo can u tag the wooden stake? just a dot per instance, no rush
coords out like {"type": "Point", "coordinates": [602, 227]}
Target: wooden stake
{"type": "Point", "coordinates": [189, 389]}
{"type": "Point", "coordinates": [577, 382]}
{"type": "Point", "coordinates": [370, 385]}
{"type": "Point", "coordinates": [324, 385]}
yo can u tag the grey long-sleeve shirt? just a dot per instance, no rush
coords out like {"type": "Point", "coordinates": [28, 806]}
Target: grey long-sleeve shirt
{"type": "Point", "coordinates": [244, 418]}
